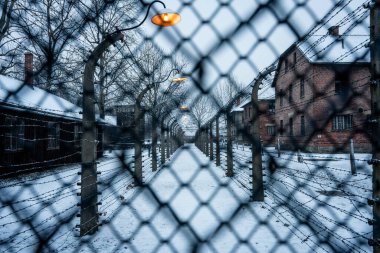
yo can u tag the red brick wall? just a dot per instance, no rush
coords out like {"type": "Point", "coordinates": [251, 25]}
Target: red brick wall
{"type": "Point", "coordinates": [266, 119]}
{"type": "Point", "coordinates": [320, 104]}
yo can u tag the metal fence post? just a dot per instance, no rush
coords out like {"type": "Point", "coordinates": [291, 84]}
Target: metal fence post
{"type": "Point", "coordinates": [278, 148]}
{"type": "Point", "coordinates": [217, 142]}
{"type": "Point", "coordinates": [230, 162]}
{"type": "Point", "coordinates": [375, 95]}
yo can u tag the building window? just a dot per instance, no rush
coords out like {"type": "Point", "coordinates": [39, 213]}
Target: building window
{"type": "Point", "coordinates": [271, 130]}
{"type": "Point", "coordinates": [281, 127]}
{"type": "Point", "coordinates": [290, 93]}
{"type": "Point", "coordinates": [14, 134]}
{"type": "Point", "coordinates": [342, 122]}
{"type": "Point", "coordinates": [53, 135]}
{"type": "Point", "coordinates": [341, 83]}
{"type": "Point", "coordinates": [77, 134]}
{"type": "Point", "coordinates": [302, 88]}
{"type": "Point", "coordinates": [281, 98]}
{"type": "Point", "coordinates": [294, 58]}
{"type": "Point", "coordinates": [271, 107]}
{"type": "Point", "coordinates": [303, 126]}
{"type": "Point", "coordinates": [291, 127]}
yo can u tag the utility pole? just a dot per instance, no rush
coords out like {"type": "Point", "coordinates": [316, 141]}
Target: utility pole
{"type": "Point", "coordinates": [375, 97]}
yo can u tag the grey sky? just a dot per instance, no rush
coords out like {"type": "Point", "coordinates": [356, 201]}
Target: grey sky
{"type": "Point", "coordinates": [222, 22]}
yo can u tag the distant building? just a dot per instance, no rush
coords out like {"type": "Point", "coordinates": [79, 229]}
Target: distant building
{"type": "Point", "coordinates": [126, 123]}
{"type": "Point", "coordinates": [267, 121]}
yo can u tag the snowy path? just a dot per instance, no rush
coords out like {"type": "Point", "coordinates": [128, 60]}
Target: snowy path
{"type": "Point", "coordinates": [189, 206]}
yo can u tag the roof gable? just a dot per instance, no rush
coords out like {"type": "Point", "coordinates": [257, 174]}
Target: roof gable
{"type": "Point", "coordinates": [16, 93]}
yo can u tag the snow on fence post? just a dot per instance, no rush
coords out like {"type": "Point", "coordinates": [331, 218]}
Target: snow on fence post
{"type": "Point", "coordinates": [352, 157]}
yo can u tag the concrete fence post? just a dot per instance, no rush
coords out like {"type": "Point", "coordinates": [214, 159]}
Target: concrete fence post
{"type": "Point", "coordinates": [211, 143]}
{"type": "Point", "coordinates": [230, 162]}
{"type": "Point", "coordinates": [352, 158]}
{"type": "Point", "coordinates": [217, 142]}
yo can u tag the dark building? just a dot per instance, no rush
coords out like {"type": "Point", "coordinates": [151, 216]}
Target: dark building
{"type": "Point", "coordinates": [38, 129]}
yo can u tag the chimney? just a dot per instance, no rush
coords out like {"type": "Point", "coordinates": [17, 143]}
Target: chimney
{"type": "Point", "coordinates": [28, 72]}
{"type": "Point", "coordinates": [334, 30]}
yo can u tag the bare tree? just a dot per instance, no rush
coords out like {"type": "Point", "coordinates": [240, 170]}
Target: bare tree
{"type": "Point", "coordinates": [105, 21]}
{"type": "Point", "coordinates": [226, 91]}
{"type": "Point", "coordinates": [202, 110]}
{"type": "Point", "coordinates": [49, 26]}
{"type": "Point", "coordinates": [8, 43]}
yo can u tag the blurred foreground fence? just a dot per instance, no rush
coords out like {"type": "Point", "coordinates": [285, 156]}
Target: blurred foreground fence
{"type": "Point", "coordinates": [246, 127]}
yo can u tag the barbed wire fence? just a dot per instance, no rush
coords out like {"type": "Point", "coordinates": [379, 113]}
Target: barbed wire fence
{"type": "Point", "coordinates": [278, 154]}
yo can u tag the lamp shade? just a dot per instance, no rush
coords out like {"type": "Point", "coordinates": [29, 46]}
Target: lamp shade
{"type": "Point", "coordinates": [179, 79]}
{"type": "Point", "coordinates": [166, 17]}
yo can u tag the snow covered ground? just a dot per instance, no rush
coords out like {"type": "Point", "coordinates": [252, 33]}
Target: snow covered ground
{"type": "Point", "coordinates": [190, 206]}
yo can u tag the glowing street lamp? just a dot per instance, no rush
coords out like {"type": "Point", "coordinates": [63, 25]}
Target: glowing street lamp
{"type": "Point", "coordinates": [166, 17]}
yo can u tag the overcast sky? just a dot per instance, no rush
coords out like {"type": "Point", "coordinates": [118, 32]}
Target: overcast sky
{"type": "Point", "coordinates": [238, 38]}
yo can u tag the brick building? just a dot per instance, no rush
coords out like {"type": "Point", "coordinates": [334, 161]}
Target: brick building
{"type": "Point", "coordinates": [267, 121]}
{"type": "Point", "coordinates": [323, 93]}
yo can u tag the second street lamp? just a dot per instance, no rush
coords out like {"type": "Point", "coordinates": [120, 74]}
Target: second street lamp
{"type": "Point", "coordinates": [89, 215]}
{"type": "Point", "coordinates": [139, 129]}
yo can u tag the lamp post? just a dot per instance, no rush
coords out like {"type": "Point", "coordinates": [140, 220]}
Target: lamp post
{"type": "Point", "coordinates": [139, 129]}
{"type": "Point", "coordinates": [155, 118]}
{"type": "Point", "coordinates": [89, 194]}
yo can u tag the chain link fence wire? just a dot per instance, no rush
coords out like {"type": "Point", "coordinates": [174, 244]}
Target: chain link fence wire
{"type": "Point", "coordinates": [246, 127]}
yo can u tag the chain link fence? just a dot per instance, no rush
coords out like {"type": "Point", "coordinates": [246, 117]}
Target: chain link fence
{"type": "Point", "coordinates": [217, 126]}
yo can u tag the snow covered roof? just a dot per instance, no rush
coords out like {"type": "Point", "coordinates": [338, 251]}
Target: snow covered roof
{"type": "Point", "coordinates": [15, 93]}
{"type": "Point", "coordinates": [352, 21]}
{"type": "Point", "coordinates": [266, 90]}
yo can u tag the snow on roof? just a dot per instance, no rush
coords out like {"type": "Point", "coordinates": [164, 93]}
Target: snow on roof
{"type": "Point", "coordinates": [17, 94]}
{"type": "Point", "coordinates": [353, 21]}
{"type": "Point", "coordinates": [110, 120]}
{"type": "Point", "coordinates": [266, 90]}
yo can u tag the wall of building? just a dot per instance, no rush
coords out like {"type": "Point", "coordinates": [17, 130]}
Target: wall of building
{"type": "Point", "coordinates": [320, 104]}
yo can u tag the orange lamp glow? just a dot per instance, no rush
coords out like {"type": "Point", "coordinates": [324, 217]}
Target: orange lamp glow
{"type": "Point", "coordinates": [179, 79]}
{"type": "Point", "coordinates": [166, 17]}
